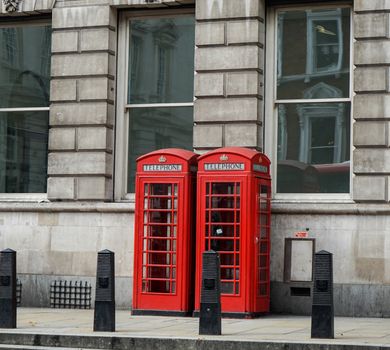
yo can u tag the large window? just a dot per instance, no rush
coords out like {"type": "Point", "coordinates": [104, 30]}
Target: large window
{"type": "Point", "coordinates": [24, 107]}
{"type": "Point", "coordinates": [159, 51]}
{"type": "Point", "coordinates": [312, 99]}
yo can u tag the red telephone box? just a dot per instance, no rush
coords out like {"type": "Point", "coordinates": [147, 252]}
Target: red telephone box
{"type": "Point", "coordinates": [164, 235]}
{"type": "Point", "coordinates": [233, 218]}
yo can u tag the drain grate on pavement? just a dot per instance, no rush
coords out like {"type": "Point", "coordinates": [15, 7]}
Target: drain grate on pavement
{"type": "Point", "coordinates": [70, 295]}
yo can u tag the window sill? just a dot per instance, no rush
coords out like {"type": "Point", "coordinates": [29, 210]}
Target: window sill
{"type": "Point", "coordinates": [58, 207]}
{"type": "Point", "coordinates": [328, 208]}
{"type": "Point", "coordinates": [23, 197]}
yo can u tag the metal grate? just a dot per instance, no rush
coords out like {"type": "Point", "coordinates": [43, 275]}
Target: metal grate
{"type": "Point", "coordinates": [70, 295]}
{"type": "Point", "coordinates": [18, 292]}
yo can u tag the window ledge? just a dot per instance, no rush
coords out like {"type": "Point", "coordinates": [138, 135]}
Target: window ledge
{"type": "Point", "coordinates": [330, 208]}
{"type": "Point", "coordinates": [85, 207]}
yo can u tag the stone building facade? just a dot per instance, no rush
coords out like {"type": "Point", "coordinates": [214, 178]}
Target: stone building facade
{"type": "Point", "coordinates": [88, 85]}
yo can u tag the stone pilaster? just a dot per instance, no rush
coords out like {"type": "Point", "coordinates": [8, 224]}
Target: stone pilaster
{"type": "Point", "coordinates": [26, 7]}
{"type": "Point", "coordinates": [82, 101]}
{"type": "Point", "coordinates": [371, 108]}
{"type": "Point", "coordinates": [229, 65]}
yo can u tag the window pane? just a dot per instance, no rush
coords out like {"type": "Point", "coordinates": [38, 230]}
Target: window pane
{"type": "Point", "coordinates": [25, 66]}
{"type": "Point", "coordinates": [313, 54]}
{"type": "Point", "coordinates": [313, 148]}
{"type": "Point", "coordinates": [161, 60]}
{"type": "Point", "coordinates": [23, 152]}
{"type": "Point", "coordinates": [156, 128]}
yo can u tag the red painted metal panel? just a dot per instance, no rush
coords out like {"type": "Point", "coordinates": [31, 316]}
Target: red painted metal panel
{"type": "Point", "coordinates": [233, 218]}
{"type": "Point", "coordinates": [164, 233]}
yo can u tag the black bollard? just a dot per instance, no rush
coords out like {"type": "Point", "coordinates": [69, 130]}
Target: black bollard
{"type": "Point", "coordinates": [210, 298]}
{"type": "Point", "coordinates": [8, 288]}
{"type": "Point", "coordinates": [104, 315]}
{"type": "Point", "coordinates": [322, 316]}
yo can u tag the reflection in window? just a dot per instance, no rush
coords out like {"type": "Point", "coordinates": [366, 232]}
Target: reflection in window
{"type": "Point", "coordinates": [317, 146]}
{"type": "Point", "coordinates": [313, 148]}
{"type": "Point", "coordinates": [161, 71]}
{"type": "Point", "coordinates": [313, 47]}
{"type": "Point", "coordinates": [23, 152]}
{"type": "Point", "coordinates": [156, 128]}
{"type": "Point", "coordinates": [24, 83]}
{"type": "Point", "coordinates": [161, 60]}
{"type": "Point", "coordinates": [25, 67]}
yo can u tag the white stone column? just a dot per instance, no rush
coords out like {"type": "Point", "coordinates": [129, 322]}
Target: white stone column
{"type": "Point", "coordinates": [371, 107]}
{"type": "Point", "coordinates": [80, 165]}
{"type": "Point", "coordinates": [229, 65]}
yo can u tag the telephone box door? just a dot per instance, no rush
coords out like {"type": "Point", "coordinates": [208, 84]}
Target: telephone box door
{"type": "Point", "coordinates": [164, 237]}
{"type": "Point", "coordinates": [234, 220]}
{"type": "Point", "coordinates": [222, 233]}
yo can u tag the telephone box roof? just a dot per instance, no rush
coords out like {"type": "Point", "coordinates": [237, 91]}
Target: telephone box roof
{"type": "Point", "coordinates": [181, 153]}
{"type": "Point", "coordinates": [241, 151]}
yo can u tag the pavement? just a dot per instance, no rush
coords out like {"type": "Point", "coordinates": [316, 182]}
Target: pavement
{"type": "Point", "coordinates": [48, 328]}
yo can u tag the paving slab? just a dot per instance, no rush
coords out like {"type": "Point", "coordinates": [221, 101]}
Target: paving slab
{"type": "Point", "coordinates": [65, 328]}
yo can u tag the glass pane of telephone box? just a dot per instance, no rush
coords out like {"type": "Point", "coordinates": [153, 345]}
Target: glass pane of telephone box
{"type": "Point", "coordinates": [222, 230]}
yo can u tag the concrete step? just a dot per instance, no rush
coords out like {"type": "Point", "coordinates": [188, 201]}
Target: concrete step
{"type": "Point", "coordinates": [100, 341]}
{"type": "Point", "coordinates": [27, 347]}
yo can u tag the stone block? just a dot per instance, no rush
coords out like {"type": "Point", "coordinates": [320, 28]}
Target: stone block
{"type": "Point", "coordinates": [61, 188]}
{"type": "Point", "coordinates": [371, 106]}
{"type": "Point", "coordinates": [228, 58]}
{"type": "Point", "coordinates": [226, 109]}
{"type": "Point", "coordinates": [64, 41]}
{"type": "Point", "coordinates": [208, 136]}
{"type": "Point", "coordinates": [370, 188]}
{"type": "Point", "coordinates": [155, 3]}
{"type": "Point", "coordinates": [96, 63]}
{"type": "Point", "coordinates": [244, 83]}
{"type": "Point", "coordinates": [206, 9]}
{"type": "Point", "coordinates": [243, 135]}
{"type": "Point", "coordinates": [371, 160]}
{"type": "Point", "coordinates": [250, 31]}
{"type": "Point", "coordinates": [75, 239]}
{"type": "Point", "coordinates": [101, 39]}
{"type": "Point", "coordinates": [93, 188]}
{"type": "Point", "coordinates": [371, 25]}
{"type": "Point", "coordinates": [94, 138]}
{"type": "Point", "coordinates": [92, 219]}
{"type": "Point", "coordinates": [371, 79]}
{"type": "Point", "coordinates": [24, 6]}
{"type": "Point", "coordinates": [96, 89]}
{"type": "Point", "coordinates": [44, 5]}
{"type": "Point", "coordinates": [81, 16]}
{"type": "Point", "coordinates": [371, 5]}
{"type": "Point", "coordinates": [209, 84]}
{"type": "Point", "coordinates": [80, 163]}
{"type": "Point", "coordinates": [98, 113]}
{"type": "Point", "coordinates": [367, 133]}
{"type": "Point", "coordinates": [372, 52]}
{"type": "Point", "coordinates": [212, 33]}
{"type": "Point", "coordinates": [63, 90]}
{"type": "Point", "coordinates": [63, 139]}
{"type": "Point", "coordinates": [47, 219]}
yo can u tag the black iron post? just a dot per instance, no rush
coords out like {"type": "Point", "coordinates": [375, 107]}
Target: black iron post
{"type": "Point", "coordinates": [210, 298]}
{"type": "Point", "coordinates": [104, 315]}
{"type": "Point", "coordinates": [322, 316]}
{"type": "Point", "coordinates": [8, 288]}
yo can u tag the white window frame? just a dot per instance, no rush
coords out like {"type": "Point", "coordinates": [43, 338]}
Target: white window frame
{"type": "Point", "coordinates": [25, 197]}
{"type": "Point", "coordinates": [123, 107]}
{"type": "Point", "coordinates": [271, 105]}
